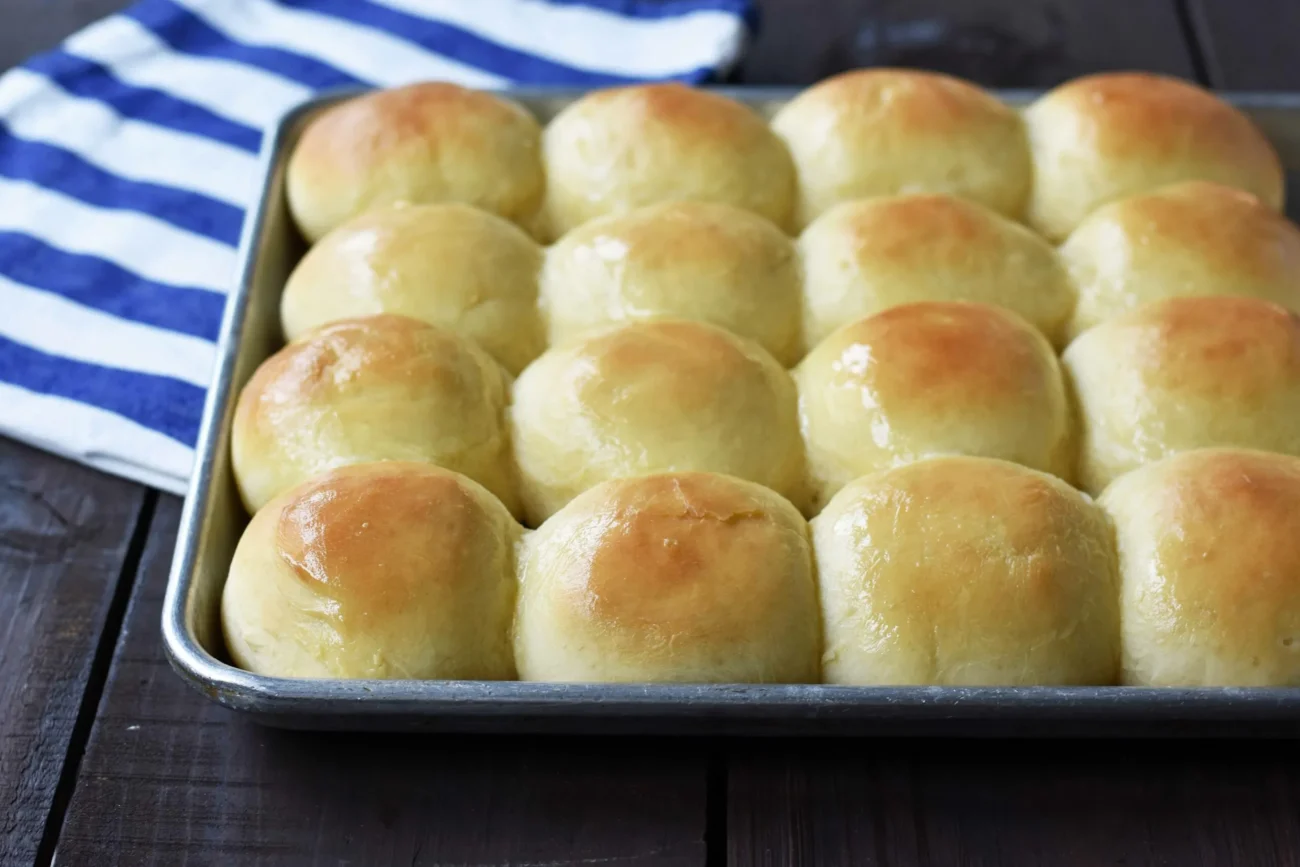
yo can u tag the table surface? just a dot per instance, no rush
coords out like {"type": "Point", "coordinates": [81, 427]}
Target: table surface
{"type": "Point", "coordinates": [107, 758]}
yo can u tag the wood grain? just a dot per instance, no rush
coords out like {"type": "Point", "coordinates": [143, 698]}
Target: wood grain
{"type": "Point", "coordinates": [1015, 804]}
{"type": "Point", "coordinates": [999, 43]}
{"type": "Point", "coordinates": [169, 776]}
{"type": "Point", "coordinates": [64, 536]}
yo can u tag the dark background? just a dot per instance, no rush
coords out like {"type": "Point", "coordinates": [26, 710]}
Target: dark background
{"type": "Point", "coordinates": [107, 758]}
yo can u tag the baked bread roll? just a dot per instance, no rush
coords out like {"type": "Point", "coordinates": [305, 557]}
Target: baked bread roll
{"type": "Point", "coordinates": [1185, 373]}
{"type": "Point", "coordinates": [383, 388]}
{"type": "Point", "coordinates": [450, 265]}
{"type": "Point", "coordinates": [965, 572]}
{"type": "Point", "coordinates": [1103, 137]}
{"type": "Point", "coordinates": [865, 256]}
{"type": "Point", "coordinates": [688, 260]}
{"type": "Point", "coordinates": [618, 149]}
{"type": "Point", "coordinates": [430, 142]}
{"type": "Point", "coordinates": [681, 577]}
{"type": "Point", "coordinates": [1209, 548]}
{"type": "Point", "coordinates": [880, 132]}
{"type": "Point", "coordinates": [652, 397]}
{"type": "Point", "coordinates": [1187, 239]}
{"type": "Point", "coordinates": [387, 570]}
{"type": "Point", "coordinates": [929, 379]}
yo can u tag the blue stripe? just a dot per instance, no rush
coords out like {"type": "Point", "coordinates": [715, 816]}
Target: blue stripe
{"type": "Point", "coordinates": [58, 169]}
{"type": "Point", "coordinates": [109, 288]}
{"type": "Point", "coordinates": [88, 79]}
{"type": "Point", "coordinates": [160, 403]}
{"type": "Point", "coordinates": [461, 45]}
{"type": "Point", "coordinates": [187, 33]}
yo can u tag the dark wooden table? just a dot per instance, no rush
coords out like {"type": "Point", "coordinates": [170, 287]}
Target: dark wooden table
{"type": "Point", "coordinates": [106, 758]}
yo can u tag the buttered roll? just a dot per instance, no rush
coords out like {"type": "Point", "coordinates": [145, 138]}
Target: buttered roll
{"type": "Point", "coordinates": [448, 264]}
{"type": "Point", "coordinates": [1209, 549]}
{"type": "Point", "coordinates": [1103, 137]}
{"type": "Point", "coordinates": [372, 389]}
{"type": "Point", "coordinates": [865, 256]}
{"type": "Point", "coordinates": [652, 397]}
{"type": "Point", "coordinates": [929, 379]}
{"type": "Point", "coordinates": [881, 132]}
{"type": "Point", "coordinates": [677, 577]}
{"type": "Point", "coordinates": [1185, 373]}
{"type": "Point", "coordinates": [687, 260]}
{"type": "Point", "coordinates": [1185, 240]}
{"type": "Point", "coordinates": [387, 570]}
{"type": "Point", "coordinates": [615, 150]}
{"type": "Point", "coordinates": [966, 572]}
{"type": "Point", "coordinates": [422, 143]}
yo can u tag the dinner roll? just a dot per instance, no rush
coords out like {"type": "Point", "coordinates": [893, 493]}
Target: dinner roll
{"type": "Point", "coordinates": [373, 389]}
{"type": "Point", "coordinates": [878, 132]}
{"type": "Point", "coordinates": [862, 257]}
{"type": "Point", "coordinates": [689, 260]}
{"type": "Point", "coordinates": [618, 149]}
{"type": "Point", "coordinates": [966, 571]}
{"type": "Point", "coordinates": [1192, 238]}
{"type": "Point", "coordinates": [1102, 137]}
{"type": "Point", "coordinates": [387, 570]}
{"type": "Point", "coordinates": [684, 577]}
{"type": "Point", "coordinates": [1209, 549]}
{"type": "Point", "coordinates": [651, 397]}
{"type": "Point", "coordinates": [430, 142]}
{"type": "Point", "coordinates": [1185, 373]}
{"type": "Point", "coordinates": [448, 264]}
{"type": "Point", "coordinates": [928, 379]}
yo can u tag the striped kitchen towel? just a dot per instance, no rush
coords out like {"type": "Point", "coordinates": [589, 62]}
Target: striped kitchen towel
{"type": "Point", "coordinates": [129, 154]}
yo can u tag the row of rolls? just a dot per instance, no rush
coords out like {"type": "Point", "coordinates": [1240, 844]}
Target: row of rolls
{"type": "Point", "coordinates": [659, 393]}
{"type": "Point", "coordinates": [670, 391]}
{"type": "Point", "coordinates": [956, 571]}
{"type": "Point", "coordinates": [856, 135]}
{"type": "Point", "coordinates": [915, 186]}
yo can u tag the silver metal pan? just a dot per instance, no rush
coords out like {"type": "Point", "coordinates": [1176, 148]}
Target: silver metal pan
{"type": "Point", "coordinates": [213, 518]}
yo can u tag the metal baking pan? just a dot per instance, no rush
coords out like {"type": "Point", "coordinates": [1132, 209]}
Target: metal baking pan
{"type": "Point", "coordinates": [213, 519]}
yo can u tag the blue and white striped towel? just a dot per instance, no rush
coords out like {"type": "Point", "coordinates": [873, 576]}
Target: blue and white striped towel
{"type": "Point", "coordinates": [128, 155]}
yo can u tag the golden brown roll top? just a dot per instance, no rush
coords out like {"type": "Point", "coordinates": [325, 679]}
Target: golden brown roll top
{"type": "Point", "coordinates": [1185, 373]}
{"type": "Point", "coordinates": [1189, 239]}
{"type": "Point", "coordinates": [388, 570]}
{"type": "Point", "coordinates": [687, 260]}
{"type": "Point", "coordinates": [880, 132]}
{"type": "Point", "coordinates": [1209, 547]}
{"type": "Point", "coordinates": [1103, 137]}
{"type": "Point", "coordinates": [865, 256]}
{"type": "Point", "coordinates": [430, 142]}
{"type": "Point", "coordinates": [682, 577]}
{"type": "Point", "coordinates": [450, 265]}
{"type": "Point", "coordinates": [966, 571]}
{"type": "Point", "coordinates": [372, 389]}
{"type": "Point", "coordinates": [928, 379]}
{"type": "Point", "coordinates": [653, 397]}
{"type": "Point", "coordinates": [618, 149]}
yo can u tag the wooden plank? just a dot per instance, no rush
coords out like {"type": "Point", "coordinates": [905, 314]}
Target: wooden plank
{"type": "Point", "coordinates": [999, 43]}
{"type": "Point", "coordinates": [170, 777]}
{"type": "Point", "coordinates": [1248, 46]}
{"type": "Point", "coordinates": [1015, 804]}
{"type": "Point", "coordinates": [65, 532]}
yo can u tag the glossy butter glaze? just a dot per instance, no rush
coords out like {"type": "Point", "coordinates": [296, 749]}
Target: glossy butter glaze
{"type": "Point", "coordinates": [927, 379]}
{"type": "Point", "coordinates": [682, 577]}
